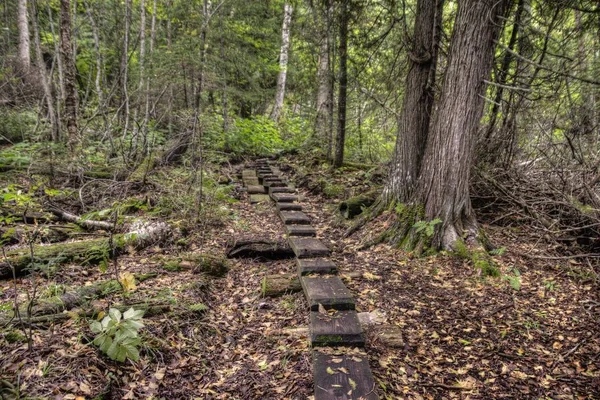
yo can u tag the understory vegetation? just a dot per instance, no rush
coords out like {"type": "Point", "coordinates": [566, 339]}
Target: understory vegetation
{"type": "Point", "coordinates": [447, 151]}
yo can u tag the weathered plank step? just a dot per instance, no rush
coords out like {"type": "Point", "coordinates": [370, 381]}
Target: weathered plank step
{"type": "Point", "coordinates": [284, 197]}
{"type": "Point", "coordinates": [351, 378]}
{"type": "Point", "coordinates": [281, 189]}
{"type": "Point", "coordinates": [300, 230]}
{"type": "Point", "coordinates": [251, 181]}
{"type": "Point", "coordinates": [256, 189]}
{"type": "Point", "coordinates": [294, 218]}
{"type": "Point", "coordinates": [248, 173]}
{"type": "Point", "coordinates": [316, 266]}
{"type": "Point", "coordinates": [267, 174]}
{"type": "Point", "coordinates": [259, 198]}
{"type": "Point", "coordinates": [288, 206]}
{"type": "Point", "coordinates": [341, 328]}
{"type": "Point", "coordinates": [328, 291]}
{"type": "Point", "coordinates": [307, 247]}
{"type": "Point", "coordinates": [275, 183]}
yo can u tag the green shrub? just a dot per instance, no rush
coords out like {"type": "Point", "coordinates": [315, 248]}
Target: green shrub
{"type": "Point", "coordinates": [256, 136]}
{"type": "Point", "coordinates": [16, 126]}
{"type": "Point", "coordinates": [118, 334]}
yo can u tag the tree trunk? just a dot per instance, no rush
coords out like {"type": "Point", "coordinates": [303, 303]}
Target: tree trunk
{"type": "Point", "coordinates": [44, 78]}
{"type": "Point", "coordinates": [443, 188]}
{"type": "Point", "coordinates": [413, 124]}
{"type": "Point", "coordinates": [125, 69]}
{"type": "Point", "coordinates": [324, 115]}
{"type": "Point", "coordinates": [98, 80]}
{"type": "Point", "coordinates": [66, 49]}
{"type": "Point", "coordinates": [338, 159]}
{"type": "Point", "coordinates": [24, 44]}
{"type": "Point", "coordinates": [283, 61]}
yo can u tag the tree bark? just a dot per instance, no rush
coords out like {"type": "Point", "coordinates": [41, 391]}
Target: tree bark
{"type": "Point", "coordinates": [24, 43]}
{"type": "Point", "coordinates": [324, 96]}
{"type": "Point", "coordinates": [66, 49]}
{"type": "Point", "coordinates": [338, 159]}
{"type": "Point", "coordinates": [413, 123]}
{"type": "Point", "coordinates": [44, 78]}
{"type": "Point", "coordinates": [283, 61]}
{"type": "Point", "coordinates": [98, 79]}
{"type": "Point", "coordinates": [125, 69]}
{"type": "Point", "coordinates": [443, 188]}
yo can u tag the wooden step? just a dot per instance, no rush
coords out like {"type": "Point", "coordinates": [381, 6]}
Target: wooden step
{"type": "Point", "coordinates": [284, 197]}
{"type": "Point", "coordinates": [307, 247]}
{"type": "Point", "coordinates": [281, 189]}
{"type": "Point", "coordinates": [268, 174]}
{"type": "Point", "coordinates": [316, 266]}
{"type": "Point", "coordinates": [351, 378]}
{"type": "Point", "coordinates": [248, 173]}
{"type": "Point", "coordinates": [259, 198]}
{"type": "Point", "coordinates": [251, 182]}
{"type": "Point", "coordinates": [328, 291]}
{"type": "Point", "coordinates": [294, 218]}
{"type": "Point", "coordinates": [275, 183]}
{"type": "Point", "coordinates": [340, 328]}
{"type": "Point", "coordinates": [257, 189]}
{"type": "Point", "coordinates": [300, 230]}
{"type": "Point", "coordinates": [289, 207]}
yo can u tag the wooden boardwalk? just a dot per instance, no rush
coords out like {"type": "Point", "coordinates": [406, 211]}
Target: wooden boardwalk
{"type": "Point", "coordinates": [340, 367]}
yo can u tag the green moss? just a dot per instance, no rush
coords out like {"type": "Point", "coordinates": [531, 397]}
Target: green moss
{"type": "Point", "coordinates": [461, 250]}
{"type": "Point", "coordinates": [172, 265]}
{"type": "Point", "coordinates": [15, 337]}
{"type": "Point", "coordinates": [198, 308]}
{"type": "Point", "coordinates": [333, 190]}
{"type": "Point", "coordinates": [481, 260]}
{"type": "Point", "coordinates": [208, 263]}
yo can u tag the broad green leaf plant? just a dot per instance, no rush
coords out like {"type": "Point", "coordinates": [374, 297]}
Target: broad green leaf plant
{"type": "Point", "coordinates": [118, 334]}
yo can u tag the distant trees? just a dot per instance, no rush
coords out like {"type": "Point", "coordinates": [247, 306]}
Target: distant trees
{"type": "Point", "coordinates": [283, 62]}
{"type": "Point", "coordinates": [24, 42]}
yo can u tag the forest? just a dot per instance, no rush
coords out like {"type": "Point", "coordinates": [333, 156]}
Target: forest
{"type": "Point", "coordinates": [300, 199]}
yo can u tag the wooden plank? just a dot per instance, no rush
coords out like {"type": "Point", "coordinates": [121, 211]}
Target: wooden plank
{"type": "Point", "coordinates": [281, 189]}
{"type": "Point", "coordinates": [248, 173]}
{"type": "Point", "coordinates": [351, 378]}
{"type": "Point", "coordinates": [294, 218]}
{"type": "Point", "coordinates": [267, 175]}
{"type": "Point", "coordinates": [341, 328]}
{"type": "Point", "coordinates": [301, 230]}
{"type": "Point", "coordinates": [328, 291]}
{"type": "Point", "coordinates": [275, 183]}
{"type": "Point", "coordinates": [307, 247]}
{"type": "Point", "coordinates": [257, 189]}
{"type": "Point", "coordinates": [289, 207]}
{"type": "Point", "coordinates": [259, 198]}
{"type": "Point", "coordinates": [316, 266]}
{"type": "Point", "coordinates": [251, 182]}
{"type": "Point", "coordinates": [284, 197]}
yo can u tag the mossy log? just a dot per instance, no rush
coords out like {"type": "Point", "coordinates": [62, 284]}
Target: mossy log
{"type": "Point", "coordinates": [79, 296]}
{"type": "Point", "coordinates": [354, 206]}
{"type": "Point", "coordinates": [278, 285]}
{"type": "Point", "coordinates": [208, 264]}
{"type": "Point", "coordinates": [260, 248]}
{"type": "Point", "coordinates": [86, 252]}
{"type": "Point", "coordinates": [150, 309]}
{"type": "Point", "coordinates": [84, 223]}
{"type": "Point", "coordinates": [50, 234]}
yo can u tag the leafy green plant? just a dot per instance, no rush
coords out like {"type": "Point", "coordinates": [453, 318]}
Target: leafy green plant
{"type": "Point", "coordinates": [118, 334]}
{"type": "Point", "coordinates": [515, 279]}
{"type": "Point", "coordinates": [498, 252]}
{"type": "Point", "coordinates": [426, 227]}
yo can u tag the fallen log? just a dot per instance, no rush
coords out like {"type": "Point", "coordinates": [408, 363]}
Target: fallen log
{"type": "Point", "coordinates": [278, 285]}
{"type": "Point", "coordinates": [150, 309]}
{"type": "Point", "coordinates": [354, 206]}
{"type": "Point", "coordinates": [84, 223]}
{"type": "Point", "coordinates": [260, 248]}
{"type": "Point", "coordinates": [88, 252]}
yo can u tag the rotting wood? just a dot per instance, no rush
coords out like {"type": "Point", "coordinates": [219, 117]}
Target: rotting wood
{"type": "Point", "coordinates": [260, 248]}
{"type": "Point", "coordinates": [340, 328]}
{"type": "Point", "coordinates": [84, 223]}
{"type": "Point", "coordinates": [354, 206]}
{"type": "Point", "coordinates": [280, 284]}
{"type": "Point", "coordinates": [328, 292]}
{"type": "Point", "coordinates": [86, 252]}
{"type": "Point", "coordinates": [351, 372]}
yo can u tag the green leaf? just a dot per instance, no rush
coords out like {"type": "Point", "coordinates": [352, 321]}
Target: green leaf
{"type": "Point", "coordinates": [96, 327]}
{"type": "Point", "coordinates": [115, 314]}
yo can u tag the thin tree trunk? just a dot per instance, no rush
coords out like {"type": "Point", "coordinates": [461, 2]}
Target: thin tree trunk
{"type": "Point", "coordinates": [283, 61]}
{"type": "Point", "coordinates": [343, 86]}
{"type": "Point", "coordinates": [125, 68]}
{"type": "Point", "coordinates": [324, 115]}
{"type": "Point", "coordinates": [203, 44]}
{"type": "Point", "coordinates": [24, 43]}
{"type": "Point", "coordinates": [413, 123]}
{"type": "Point", "coordinates": [60, 93]}
{"type": "Point", "coordinates": [98, 80]}
{"type": "Point", "coordinates": [224, 95]}
{"type": "Point", "coordinates": [70, 114]}
{"type": "Point", "coordinates": [443, 188]}
{"type": "Point", "coordinates": [44, 79]}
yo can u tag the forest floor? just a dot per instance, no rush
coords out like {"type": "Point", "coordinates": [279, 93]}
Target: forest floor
{"type": "Point", "coordinates": [531, 333]}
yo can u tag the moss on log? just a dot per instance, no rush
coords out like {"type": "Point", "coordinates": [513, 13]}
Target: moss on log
{"type": "Point", "coordinates": [278, 285]}
{"type": "Point", "coordinates": [88, 252]}
{"type": "Point", "coordinates": [354, 206]}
